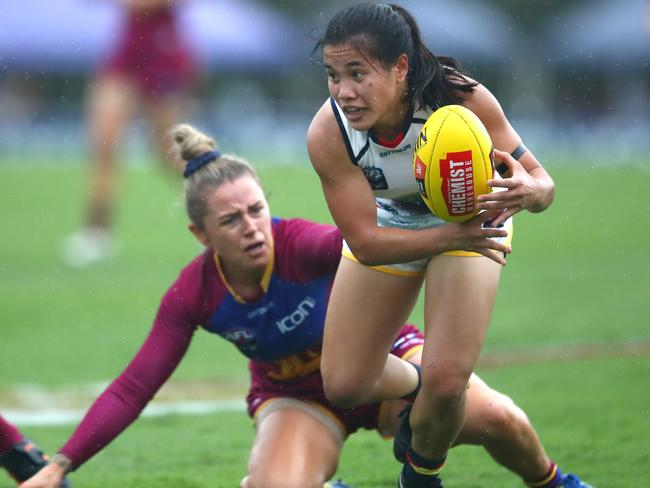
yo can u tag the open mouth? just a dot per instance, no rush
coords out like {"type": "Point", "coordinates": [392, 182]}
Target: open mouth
{"type": "Point", "coordinates": [254, 247]}
{"type": "Point", "coordinates": [352, 111]}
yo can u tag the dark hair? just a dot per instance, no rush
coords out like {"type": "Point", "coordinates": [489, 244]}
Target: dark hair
{"type": "Point", "coordinates": [190, 143]}
{"type": "Point", "coordinates": [384, 31]}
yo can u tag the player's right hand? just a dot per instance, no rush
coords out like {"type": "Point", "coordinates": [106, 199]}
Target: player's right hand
{"type": "Point", "coordinates": [475, 235]}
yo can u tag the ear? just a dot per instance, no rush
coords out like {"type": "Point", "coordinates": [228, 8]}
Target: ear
{"type": "Point", "coordinates": [402, 67]}
{"type": "Point", "coordinates": [199, 234]}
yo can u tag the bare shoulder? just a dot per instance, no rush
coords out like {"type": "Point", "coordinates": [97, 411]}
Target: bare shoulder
{"type": "Point", "coordinates": [324, 140]}
{"type": "Point", "coordinates": [484, 104]}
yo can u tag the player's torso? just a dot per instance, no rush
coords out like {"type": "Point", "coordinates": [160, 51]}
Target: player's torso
{"type": "Point", "coordinates": [286, 320]}
{"type": "Point", "coordinates": [389, 172]}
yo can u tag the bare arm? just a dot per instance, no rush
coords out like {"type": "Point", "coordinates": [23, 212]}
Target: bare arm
{"type": "Point", "coordinates": [529, 186]}
{"type": "Point", "coordinates": [121, 403]}
{"type": "Point", "coordinates": [352, 205]}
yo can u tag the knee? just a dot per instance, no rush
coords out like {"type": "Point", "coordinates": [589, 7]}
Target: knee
{"type": "Point", "coordinates": [344, 387]}
{"type": "Point", "coordinates": [443, 387]}
{"type": "Point", "coordinates": [505, 420]}
{"type": "Point", "coordinates": [344, 392]}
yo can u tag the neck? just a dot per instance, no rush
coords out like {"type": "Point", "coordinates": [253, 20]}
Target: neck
{"type": "Point", "coordinates": [390, 126]}
{"type": "Point", "coordinates": [246, 282]}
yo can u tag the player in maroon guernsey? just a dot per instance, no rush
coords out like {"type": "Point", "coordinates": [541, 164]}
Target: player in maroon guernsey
{"type": "Point", "coordinates": [263, 284]}
{"type": "Point", "coordinates": [151, 71]}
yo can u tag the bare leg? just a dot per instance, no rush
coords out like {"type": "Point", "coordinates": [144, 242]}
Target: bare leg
{"type": "Point", "coordinates": [494, 421]}
{"type": "Point", "coordinates": [162, 115]}
{"type": "Point", "coordinates": [460, 294]}
{"type": "Point", "coordinates": [366, 310]}
{"type": "Point", "coordinates": [292, 449]}
{"type": "Point", "coordinates": [109, 109]}
{"type": "Point", "coordinates": [503, 429]}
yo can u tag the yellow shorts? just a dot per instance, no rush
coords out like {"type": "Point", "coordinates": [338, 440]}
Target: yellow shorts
{"type": "Point", "coordinates": [416, 268]}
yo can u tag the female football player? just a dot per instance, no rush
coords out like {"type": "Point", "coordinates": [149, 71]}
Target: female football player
{"type": "Point", "coordinates": [384, 83]}
{"type": "Point", "coordinates": [152, 69]}
{"type": "Point", "coordinates": [263, 284]}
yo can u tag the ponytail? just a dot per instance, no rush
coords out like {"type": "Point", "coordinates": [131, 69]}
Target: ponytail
{"type": "Point", "coordinates": [206, 168]}
{"type": "Point", "coordinates": [433, 81]}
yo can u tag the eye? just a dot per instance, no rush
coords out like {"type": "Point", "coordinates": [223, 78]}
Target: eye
{"type": "Point", "coordinates": [227, 221]}
{"type": "Point", "coordinates": [331, 76]}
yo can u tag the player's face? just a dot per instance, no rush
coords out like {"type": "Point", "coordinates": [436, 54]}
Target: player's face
{"type": "Point", "coordinates": [238, 225]}
{"type": "Point", "coordinates": [371, 95]}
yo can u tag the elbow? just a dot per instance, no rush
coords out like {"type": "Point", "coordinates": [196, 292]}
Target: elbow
{"type": "Point", "coordinates": [363, 251]}
{"type": "Point", "coordinates": [368, 260]}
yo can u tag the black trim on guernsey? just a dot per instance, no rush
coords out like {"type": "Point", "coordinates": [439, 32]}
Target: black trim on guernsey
{"type": "Point", "coordinates": [355, 158]}
{"type": "Point", "coordinates": [365, 147]}
{"type": "Point", "coordinates": [519, 151]}
{"type": "Point", "coordinates": [348, 146]}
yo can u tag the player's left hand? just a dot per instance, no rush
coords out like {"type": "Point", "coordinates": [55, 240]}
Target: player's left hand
{"type": "Point", "coordinates": [522, 190]}
{"type": "Point", "coordinates": [50, 476]}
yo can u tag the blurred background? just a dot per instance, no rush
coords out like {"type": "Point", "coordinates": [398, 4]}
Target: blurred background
{"type": "Point", "coordinates": [569, 339]}
{"type": "Point", "coordinates": [571, 74]}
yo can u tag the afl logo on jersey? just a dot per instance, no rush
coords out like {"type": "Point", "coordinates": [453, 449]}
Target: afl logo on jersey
{"type": "Point", "coordinates": [376, 178]}
{"type": "Point", "coordinates": [243, 338]}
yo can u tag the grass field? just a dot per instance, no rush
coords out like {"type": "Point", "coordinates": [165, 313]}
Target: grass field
{"type": "Point", "coordinates": [570, 325]}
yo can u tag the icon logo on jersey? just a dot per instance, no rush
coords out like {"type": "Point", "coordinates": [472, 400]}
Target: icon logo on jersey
{"type": "Point", "coordinates": [297, 317]}
{"type": "Point", "coordinates": [376, 178]}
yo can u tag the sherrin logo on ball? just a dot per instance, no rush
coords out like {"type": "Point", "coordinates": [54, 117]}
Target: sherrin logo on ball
{"type": "Point", "coordinates": [452, 162]}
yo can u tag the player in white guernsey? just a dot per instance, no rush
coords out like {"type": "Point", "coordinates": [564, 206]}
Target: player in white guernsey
{"type": "Point", "coordinates": [387, 167]}
{"type": "Point", "coordinates": [383, 83]}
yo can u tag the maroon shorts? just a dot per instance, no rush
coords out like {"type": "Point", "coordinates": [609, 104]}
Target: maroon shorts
{"type": "Point", "coordinates": [309, 388]}
{"type": "Point", "coordinates": [153, 55]}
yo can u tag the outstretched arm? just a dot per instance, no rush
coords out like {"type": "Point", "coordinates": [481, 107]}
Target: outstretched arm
{"type": "Point", "coordinates": [121, 403]}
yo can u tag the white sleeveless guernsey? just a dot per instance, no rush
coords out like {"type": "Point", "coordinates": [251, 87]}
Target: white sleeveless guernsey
{"type": "Point", "coordinates": [389, 171]}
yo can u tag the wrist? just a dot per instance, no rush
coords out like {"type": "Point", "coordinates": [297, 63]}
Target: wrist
{"type": "Point", "coordinates": [62, 461]}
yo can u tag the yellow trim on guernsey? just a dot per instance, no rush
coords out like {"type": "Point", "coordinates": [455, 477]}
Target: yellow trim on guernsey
{"type": "Point", "coordinates": [264, 282]}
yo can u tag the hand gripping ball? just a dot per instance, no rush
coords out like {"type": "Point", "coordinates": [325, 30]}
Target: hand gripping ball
{"type": "Point", "coordinates": [452, 162]}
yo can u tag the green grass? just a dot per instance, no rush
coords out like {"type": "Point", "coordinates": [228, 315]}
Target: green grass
{"type": "Point", "coordinates": [580, 273]}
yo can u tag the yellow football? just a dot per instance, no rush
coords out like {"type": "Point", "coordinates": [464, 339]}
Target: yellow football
{"type": "Point", "coordinates": [452, 162]}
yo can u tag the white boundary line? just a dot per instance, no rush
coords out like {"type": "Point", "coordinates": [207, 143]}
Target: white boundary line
{"type": "Point", "coordinates": [34, 396]}
{"type": "Point", "coordinates": [54, 416]}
